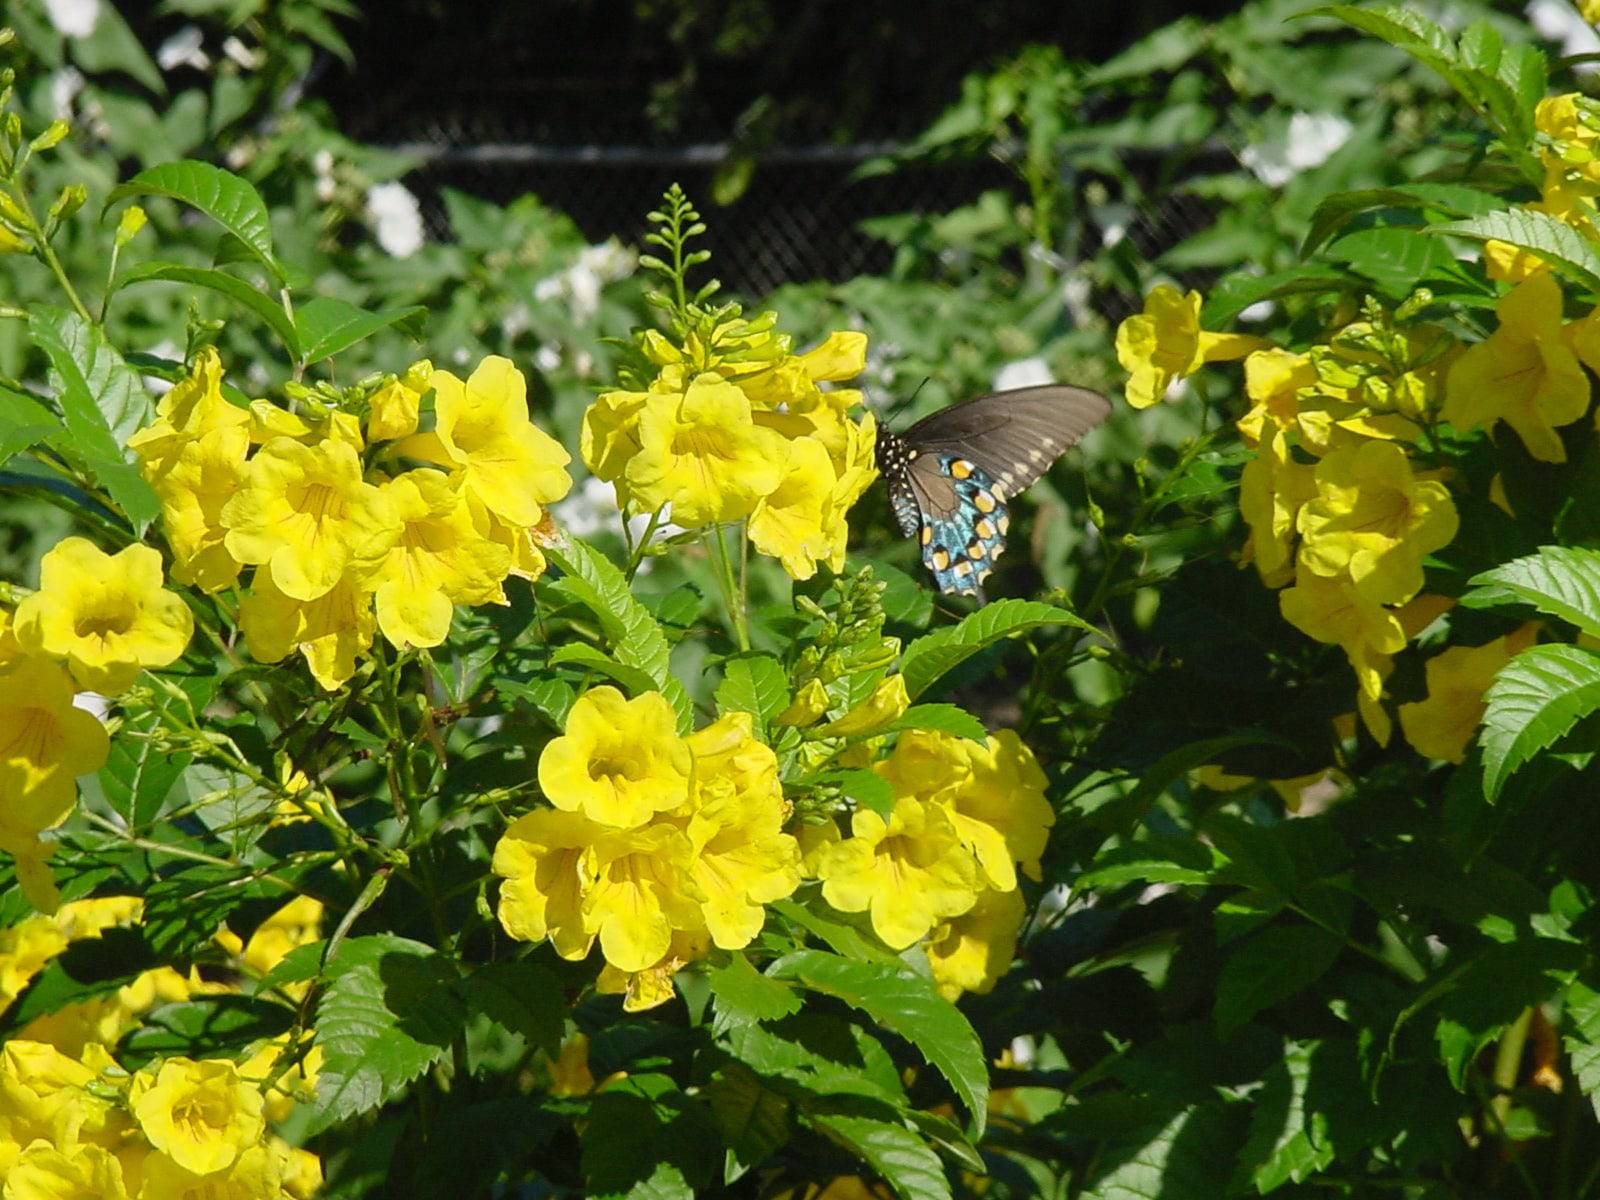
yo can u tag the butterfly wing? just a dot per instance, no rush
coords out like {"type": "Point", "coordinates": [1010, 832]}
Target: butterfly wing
{"type": "Point", "coordinates": [1014, 436]}
{"type": "Point", "coordinates": [964, 520]}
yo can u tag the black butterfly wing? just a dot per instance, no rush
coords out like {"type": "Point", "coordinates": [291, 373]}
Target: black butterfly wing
{"type": "Point", "coordinates": [1014, 436]}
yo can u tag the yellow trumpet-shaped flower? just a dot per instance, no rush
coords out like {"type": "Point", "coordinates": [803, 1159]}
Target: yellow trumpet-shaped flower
{"type": "Point", "coordinates": [330, 631]}
{"type": "Point", "coordinates": [789, 522]}
{"type": "Point", "coordinates": [106, 615]}
{"type": "Point", "coordinates": [1373, 520]}
{"type": "Point", "coordinates": [619, 761]}
{"type": "Point", "coordinates": [308, 518]}
{"type": "Point", "coordinates": [545, 860]}
{"type": "Point", "coordinates": [1525, 374]}
{"type": "Point", "coordinates": [969, 953]}
{"type": "Point", "coordinates": [85, 1172]}
{"type": "Point", "coordinates": [202, 1115]}
{"type": "Point", "coordinates": [740, 856]}
{"type": "Point", "coordinates": [702, 452]}
{"type": "Point", "coordinates": [609, 437]}
{"type": "Point", "coordinates": [643, 889]}
{"type": "Point", "coordinates": [45, 744]}
{"type": "Point", "coordinates": [1332, 609]}
{"type": "Point", "coordinates": [1165, 343]}
{"type": "Point", "coordinates": [1442, 725]}
{"type": "Point", "coordinates": [440, 560]}
{"type": "Point", "coordinates": [1272, 489]}
{"type": "Point", "coordinates": [204, 476]}
{"type": "Point", "coordinates": [506, 462]}
{"type": "Point", "coordinates": [1274, 379]}
{"type": "Point", "coordinates": [908, 872]}
{"type": "Point", "coordinates": [393, 410]}
{"type": "Point", "coordinates": [192, 408]}
{"type": "Point", "coordinates": [651, 987]}
{"type": "Point", "coordinates": [886, 705]}
{"type": "Point", "coordinates": [257, 1174]}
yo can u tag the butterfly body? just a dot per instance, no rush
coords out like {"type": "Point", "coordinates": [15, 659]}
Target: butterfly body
{"type": "Point", "coordinates": [951, 474]}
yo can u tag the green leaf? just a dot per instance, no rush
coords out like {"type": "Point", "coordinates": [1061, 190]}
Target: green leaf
{"type": "Point", "coordinates": [931, 656]}
{"type": "Point", "coordinates": [381, 1022]}
{"type": "Point", "coordinates": [86, 970]}
{"type": "Point", "coordinates": [753, 1119]}
{"type": "Point", "coordinates": [1270, 966]}
{"type": "Point", "coordinates": [113, 46]}
{"type": "Point", "coordinates": [205, 1027]}
{"type": "Point", "coordinates": [862, 787]}
{"type": "Point", "coordinates": [892, 1150]}
{"type": "Point", "coordinates": [1581, 1016]}
{"type": "Point", "coordinates": [1396, 258]}
{"type": "Point", "coordinates": [327, 326]}
{"type": "Point", "coordinates": [551, 698]}
{"type": "Point", "coordinates": [103, 402]}
{"type": "Point", "coordinates": [184, 910]}
{"type": "Point", "coordinates": [1182, 860]}
{"type": "Point", "coordinates": [756, 684]}
{"type": "Point", "coordinates": [1238, 291]}
{"type": "Point", "coordinates": [1175, 1157]}
{"type": "Point", "coordinates": [267, 308]}
{"type": "Point", "coordinates": [943, 718]}
{"type": "Point", "coordinates": [1283, 1143]}
{"type": "Point", "coordinates": [648, 1141]}
{"type": "Point", "coordinates": [905, 1004]}
{"type": "Point", "coordinates": [520, 995]}
{"type": "Point", "coordinates": [835, 929]}
{"type": "Point", "coordinates": [1560, 581]}
{"type": "Point", "coordinates": [633, 680]}
{"type": "Point", "coordinates": [742, 995]}
{"type": "Point", "coordinates": [1448, 199]}
{"type": "Point", "coordinates": [223, 196]}
{"type": "Point", "coordinates": [636, 638]}
{"type": "Point", "coordinates": [1563, 247]}
{"type": "Point", "coordinates": [1535, 699]}
{"type": "Point", "coordinates": [1491, 989]}
{"type": "Point", "coordinates": [24, 424]}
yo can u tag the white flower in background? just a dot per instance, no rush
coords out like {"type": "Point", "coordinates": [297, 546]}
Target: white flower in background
{"type": "Point", "coordinates": [65, 85]}
{"type": "Point", "coordinates": [182, 49]}
{"type": "Point", "coordinates": [1075, 294]}
{"type": "Point", "coordinates": [1558, 21]}
{"type": "Point", "coordinates": [322, 169]}
{"type": "Point", "coordinates": [396, 218]}
{"type": "Point", "coordinates": [155, 383]}
{"type": "Point", "coordinates": [581, 283]}
{"type": "Point", "coordinates": [516, 322]}
{"type": "Point", "coordinates": [1114, 220]}
{"type": "Point", "coordinates": [547, 357]}
{"type": "Point", "coordinates": [74, 18]}
{"type": "Point", "coordinates": [1309, 141]}
{"type": "Point", "coordinates": [1259, 311]}
{"type": "Point", "coordinates": [583, 364]}
{"type": "Point", "coordinates": [240, 53]}
{"type": "Point", "coordinates": [1024, 372]}
{"type": "Point", "coordinates": [93, 703]}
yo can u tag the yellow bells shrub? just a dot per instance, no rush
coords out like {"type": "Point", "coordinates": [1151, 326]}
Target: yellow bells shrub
{"type": "Point", "coordinates": [908, 873]}
{"type": "Point", "coordinates": [1274, 379]}
{"type": "Point", "coordinates": [886, 705]}
{"type": "Point", "coordinates": [619, 761]}
{"type": "Point", "coordinates": [1373, 519]}
{"type": "Point", "coordinates": [268, 421]}
{"type": "Point", "coordinates": [204, 476]}
{"type": "Point", "coordinates": [392, 411]}
{"type": "Point", "coordinates": [1332, 610]}
{"type": "Point", "coordinates": [1165, 343]}
{"type": "Point", "coordinates": [85, 1172]}
{"type": "Point", "coordinates": [547, 866]}
{"type": "Point", "coordinates": [330, 631]}
{"type": "Point", "coordinates": [106, 615]}
{"type": "Point", "coordinates": [642, 890]}
{"type": "Point", "coordinates": [1272, 490]}
{"type": "Point", "coordinates": [441, 559]}
{"type": "Point", "coordinates": [740, 857]}
{"type": "Point", "coordinates": [257, 1174]}
{"type": "Point", "coordinates": [193, 407]}
{"type": "Point", "coordinates": [45, 1094]}
{"type": "Point", "coordinates": [702, 452]}
{"type": "Point", "coordinates": [788, 522]}
{"type": "Point", "coordinates": [306, 516]}
{"type": "Point", "coordinates": [1442, 725]}
{"type": "Point", "coordinates": [651, 987]}
{"type": "Point", "coordinates": [1524, 374]}
{"type": "Point", "coordinates": [609, 438]}
{"type": "Point", "coordinates": [483, 434]}
{"type": "Point", "coordinates": [810, 702]}
{"type": "Point", "coordinates": [969, 953]}
{"type": "Point", "coordinates": [203, 1115]}
{"type": "Point", "coordinates": [45, 744]}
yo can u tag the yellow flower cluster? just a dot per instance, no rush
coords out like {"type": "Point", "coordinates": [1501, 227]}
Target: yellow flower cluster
{"type": "Point", "coordinates": [345, 531]}
{"type": "Point", "coordinates": [96, 621]}
{"type": "Point", "coordinates": [943, 864]}
{"type": "Point", "coordinates": [1165, 343]}
{"type": "Point", "coordinates": [73, 1124]}
{"type": "Point", "coordinates": [1569, 126]}
{"type": "Point", "coordinates": [658, 846]}
{"type": "Point", "coordinates": [735, 427]}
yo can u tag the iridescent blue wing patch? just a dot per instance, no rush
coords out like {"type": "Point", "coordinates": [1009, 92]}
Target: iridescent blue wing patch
{"type": "Point", "coordinates": [964, 521]}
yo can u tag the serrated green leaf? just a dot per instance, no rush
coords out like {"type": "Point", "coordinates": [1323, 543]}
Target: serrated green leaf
{"type": "Point", "coordinates": [103, 402]}
{"type": "Point", "coordinates": [551, 698]}
{"type": "Point", "coordinates": [381, 1022]}
{"type": "Point", "coordinates": [892, 1150]}
{"type": "Point", "coordinates": [1535, 699]}
{"type": "Point", "coordinates": [753, 1119]}
{"type": "Point", "coordinates": [636, 639]}
{"type": "Point", "coordinates": [1560, 581]}
{"type": "Point", "coordinates": [906, 1004]}
{"type": "Point", "coordinates": [1449, 199]}
{"type": "Point", "coordinates": [1491, 989]}
{"type": "Point", "coordinates": [634, 680]}
{"type": "Point", "coordinates": [520, 995]}
{"type": "Point", "coordinates": [205, 1027]}
{"type": "Point", "coordinates": [268, 309]}
{"type": "Point", "coordinates": [1174, 1157]}
{"type": "Point", "coordinates": [943, 718]}
{"type": "Point", "coordinates": [24, 424]}
{"type": "Point", "coordinates": [1283, 1145]}
{"type": "Point", "coordinates": [648, 1141]}
{"type": "Point", "coordinates": [227, 199]}
{"type": "Point", "coordinates": [741, 995]}
{"type": "Point", "coordinates": [1270, 966]}
{"type": "Point", "coordinates": [1563, 247]}
{"type": "Point", "coordinates": [325, 326]}
{"type": "Point", "coordinates": [865, 788]}
{"type": "Point", "coordinates": [931, 656]}
{"type": "Point", "coordinates": [756, 684]}
{"type": "Point", "coordinates": [836, 930]}
{"type": "Point", "coordinates": [183, 911]}
{"type": "Point", "coordinates": [1181, 860]}
{"type": "Point", "coordinates": [1236, 292]}
{"type": "Point", "coordinates": [1396, 258]}
{"type": "Point", "coordinates": [1581, 1019]}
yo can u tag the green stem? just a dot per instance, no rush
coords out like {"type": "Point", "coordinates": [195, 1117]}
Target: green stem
{"type": "Point", "coordinates": [42, 247]}
{"type": "Point", "coordinates": [1508, 1063]}
{"type": "Point", "coordinates": [730, 593]}
{"type": "Point", "coordinates": [636, 553]}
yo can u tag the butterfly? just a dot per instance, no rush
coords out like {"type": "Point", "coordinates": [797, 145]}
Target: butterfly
{"type": "Point", "coordinates": [951, 474]}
